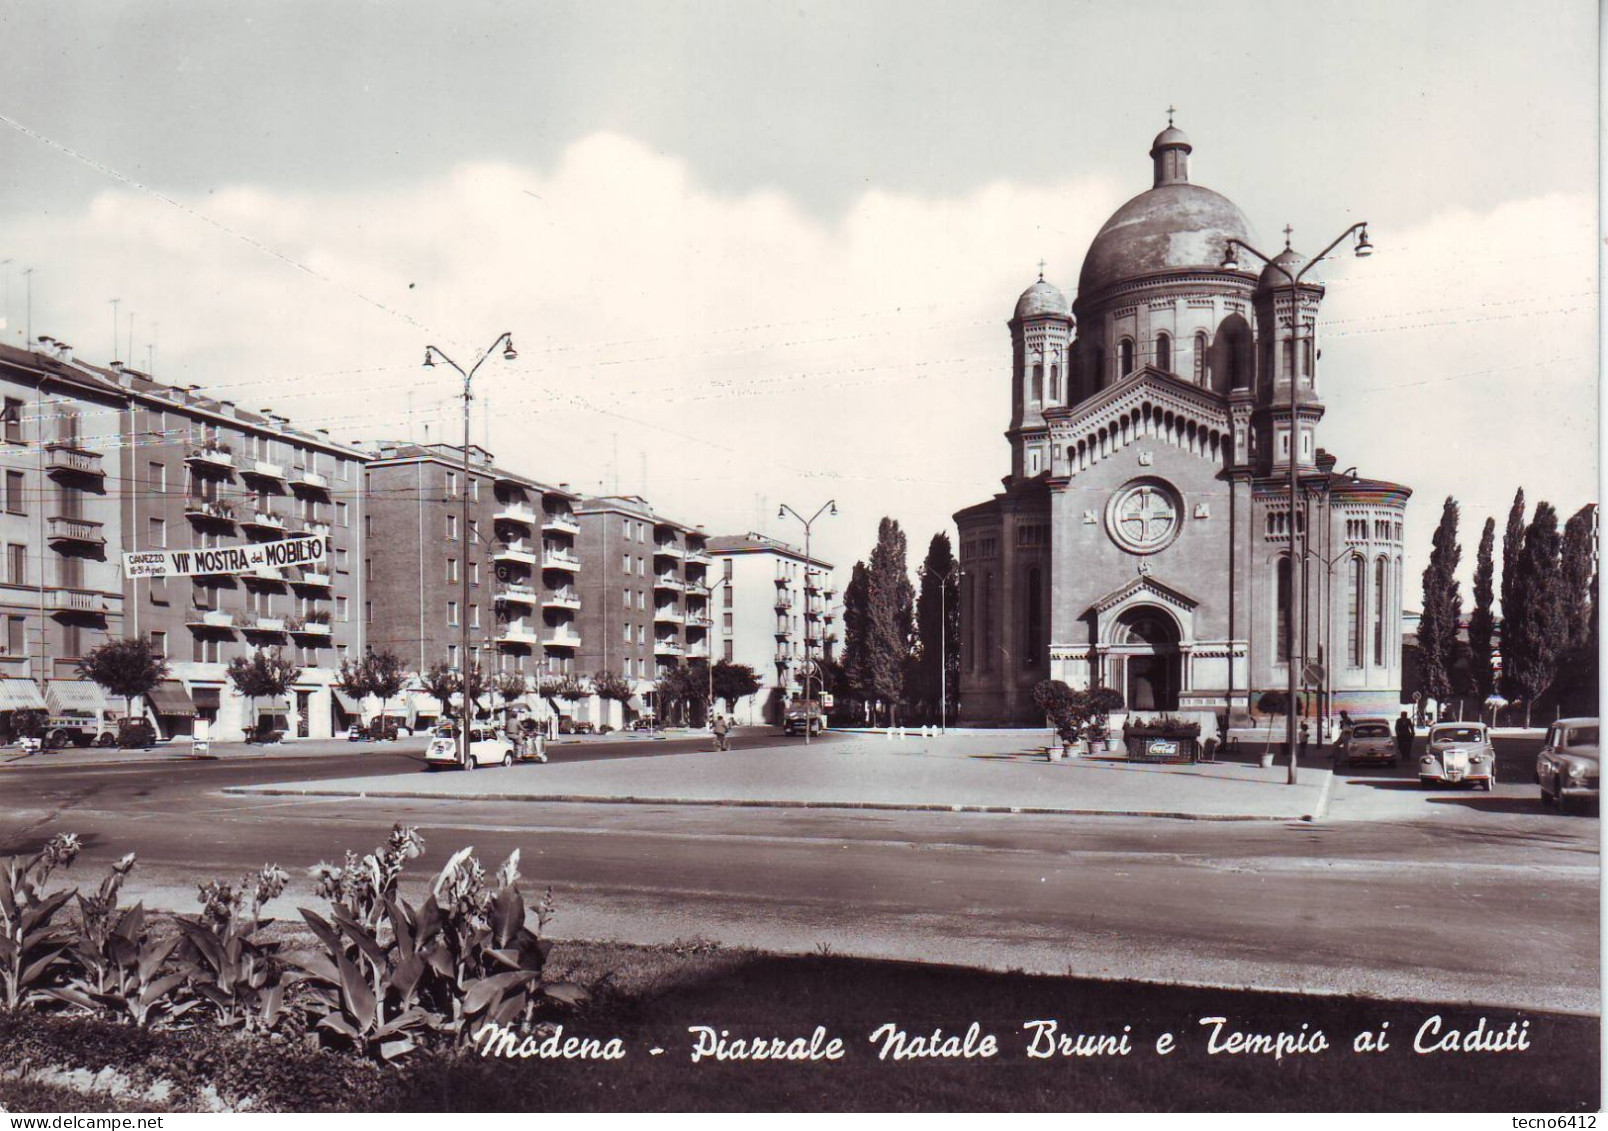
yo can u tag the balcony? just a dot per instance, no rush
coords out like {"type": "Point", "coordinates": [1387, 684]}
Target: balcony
{"type": "Point", "coordinates": [315, 528]}
{"type": "Point", "coordinates": [215, 510]}
{"type": "Point", "coordinates": [560, 522]}
{"type": "Point", "coordinates": [561, 637]}
{"type": "Point", "coordinates": [262, 469]}
{"type": "Point", "coordinates": [669, 581]}
{"type": "Point", "coordinates": [263, 520]}
{"type": "Point", "coordinates": [698, 620]}
{"type": "Point", "coordinates": [267, 626]}
{"type": "Point", "coordinates": [308, 626]}
{"type": "Point", "coordinates": [698, 589]}
{"type": "Point", "coordinates": [561, 599]}
{"type": "Point", "coordinates": [312, 577]}
{"type": "Point", "coordinates": [209, 618]}
{"type": "Point", "coordinates": [560, 559]}
{"type": "Point", "coordinates": [783, 601]}
{"type": "Point", "coordinates": [668, 614]}
{"type": "Point", "coordinates": [521, 552]}
{"type": "Point", "coordinates": [517, 635]}
{"type": "Point", "coordinates": [70, 459]}
{"type": "Point", "coordinates": [215, 456]}
{"type": "Point", "coordinates": [783, 657]}
{"type": "Point", "coordinates": [82, 531]}
{"type": "Point", "coordinates": [668, 550]}
{"type": "Point", "coordinates": [76, 601]}
{"type": "Point", "coordinates": [512, 594]}
{"type": "Point", "coordinates": [697, 651]}
{"type": "Point", "coordinates": [515, 512]}
{"type": "Point", "coordinates": [782, 631]}
{"type": "Point", "coordinates": [311, 480]}
{"type": "Point", "coordinates": [268, 575]}
{"type": "Point", "coordinates": [668, 648]}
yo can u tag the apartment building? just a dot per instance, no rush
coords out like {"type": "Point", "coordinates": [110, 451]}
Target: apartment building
{"type": "Point", "coordinates": [645, 599]}
{"type": "Point", "coordinates": [518, 550]}
{"type": "Point", "coordinates": [203, 473]}
{"type": "Point", "coordinates": [776, 613]}
{"type": "Point", "coordinates": [60, 528]}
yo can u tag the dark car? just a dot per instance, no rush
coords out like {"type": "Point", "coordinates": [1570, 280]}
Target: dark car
{"type": "Point", "coordinates": [567, 725]}
{"type": "Point", "coordinates": [804, 717]}
{"type": "Point", "coordinates": [642, 725]}
{"type": "Point", "coordinates": [135, 734]}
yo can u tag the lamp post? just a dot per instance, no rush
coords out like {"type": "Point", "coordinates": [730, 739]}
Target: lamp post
{"type": "Point", "coordinates": [431, 354]}
{"type": "Point", "coordinates": [709, 635]}
{"type": "Point", "coordinates": [943, 644]}
{"type": "Point", "coordinates": [1297, 532]}
{"type": "Point", "coordinates": [829, 506]}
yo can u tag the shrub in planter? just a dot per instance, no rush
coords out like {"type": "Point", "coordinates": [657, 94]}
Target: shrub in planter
{"type": "Point", "coordinates": [33, 959]}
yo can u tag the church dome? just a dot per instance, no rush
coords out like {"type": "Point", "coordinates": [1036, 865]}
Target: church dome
{"type": "Point", "coordinates": [1042, 298]}
{"type": "Point", "coordinates": [1273, 278]}
{"type": "Point", "coordinates": [1176, 226]}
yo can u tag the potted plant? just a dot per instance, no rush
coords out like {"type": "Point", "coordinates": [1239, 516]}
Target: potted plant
{"type": "Point", "coordinates": [1065, 710]}
{"type": "Point", "coordinates": [1272, 704]}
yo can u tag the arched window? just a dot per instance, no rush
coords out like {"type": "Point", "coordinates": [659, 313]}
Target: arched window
{"type": "Point", "coordinates": [986, 625]}
{"type": "Point", "coordinates": [1164, 353]}
{"type": "Point", "coordinates": [1395, 637]}
{"type": "Point", "coordinates": [1281, 622]}
{"type": "Point", "coordinates": [1380, 601]}
{"type": "Point", "coordinates": [1038, 382]}
{"type": "Point", "coordinates": [1125, 351]}
{"type": "Point", "coordinates": [1355, 610]}
{"type": "Point", "coordinates": [1055, 384]}
{"type": "Point", "coordinates": [1034, 634]}
{"type": "Point", "coordinates": [1200, 357]}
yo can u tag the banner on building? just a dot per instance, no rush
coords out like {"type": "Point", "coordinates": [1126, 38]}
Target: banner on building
{"type": "Point", "coordinates": [310, 551]}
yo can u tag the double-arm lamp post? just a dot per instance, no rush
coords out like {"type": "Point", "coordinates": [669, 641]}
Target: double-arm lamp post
{"type": "Point", "coordinates": [431, 355]}
{"type": "Point", "coordinates": [809, 661]}
{"type": "Point", "coordinates": [943, 643]}
{"type": "Point", "coordinates": [1297, 531]}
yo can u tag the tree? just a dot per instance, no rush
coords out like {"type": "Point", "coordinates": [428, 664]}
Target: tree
{"type": "Point", "coordinates": [1481, 622]}
{"type": "Point", "coordinates": [1533, 630]}
{"type": "Point", "coordinates": [1443, 607]}
{"type": "Point", "coordinates": [509, 686]}
{"type": "Point", "coordinates": [1273, 704]}
{"type": "Point", "coordinates": [889, 612]}
{"type": "Point", "coordinates": [1578, 666]}
{"type": "Point", "coordinates": [129, 667]}
{"type": "Point", "coordinates": [443, 681]}
{"type": "Point", "coordinates": [734, 682]}
{"type": "Point", "coordinates": [1512, 543]}
{"type": "Point", "coordinates": [937, 644]}
{"type": "Point", "coordinates": [1063, 707]}
{"type": "Point", "coordinates": [610, 685]}
{"type": "Point", "coordinates": [387, 676]}
{"type": "Point", "coordinates": [266, 672]}
{"type": "Point", "coordinates": [675, 689]}
{"type": "Point", "coordinates": [856, 602]}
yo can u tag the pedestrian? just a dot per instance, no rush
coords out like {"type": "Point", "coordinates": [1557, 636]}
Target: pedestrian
{"type": "Point", "coordinates": [1303, 740]}
{"type": "Point", "coordinates": [721, 727]}
{"type": "Point", "coordinates": [1404, 737]}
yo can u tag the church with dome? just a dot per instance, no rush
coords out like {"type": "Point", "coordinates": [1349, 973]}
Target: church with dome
{"type": "Point", "coordinates": [1142, 541]}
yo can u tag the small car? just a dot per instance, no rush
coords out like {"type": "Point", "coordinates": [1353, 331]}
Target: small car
{"type": "Point", "coordinates": [642, 724]}
{"type": "Point", "coordinates": [1566, 768]}
{"type": "Point", "coordinates": [487, 747]}
{"type": "Point", "coordinates": [1458, 754]}
{"type": "Point", "coordinates": [135, 733]}
{"type": "Point", "coordinates": [803, 717]}
{"type": "Point", "coordinates": [1369, 740]}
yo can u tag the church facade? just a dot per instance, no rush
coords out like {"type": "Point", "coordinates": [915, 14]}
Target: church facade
{"type": "Point", "coordinates": [1143, 539]}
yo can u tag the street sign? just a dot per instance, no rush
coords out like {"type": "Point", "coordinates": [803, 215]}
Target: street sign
{"type": "Point", "coordinates": [826, 701]}
{"type": "Point", "coordinates": [226, 559]}
{"type": "Point", "coordinates": [1312, 675]}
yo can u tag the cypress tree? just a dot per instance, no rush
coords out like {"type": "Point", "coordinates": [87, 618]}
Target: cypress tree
{"type": "Point", "coordinates": [1443, 606]}
{"type": "Point", "coordinates": [1533, 632]}
{"type": "Point", "coordinates": [1481, 622]}
{"type": "Point", "coordinates": [1577, 678]}
{"type": "Point", "coordinates": [856, 596]}
{"type": "Point", "coordinates": [1512, 545]}
{"type": "Point", "coordinates": [890, 606]}
{"type": "Point", "coordinates": [937, 644]}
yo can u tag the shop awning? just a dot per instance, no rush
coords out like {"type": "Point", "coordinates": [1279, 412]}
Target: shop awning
{"type": "Point", "coordinates": [20, 695]}
{"type": "Point", "coordinates": [78, 696]}
{"type": "Point", "coordinates": [206, 698]}
{"type": "Point", "coordinates": [170, 698]}
{"type": "Point", "coordinates": [347, 703]}
{"type": "Point", "coordinates": [272, 707]}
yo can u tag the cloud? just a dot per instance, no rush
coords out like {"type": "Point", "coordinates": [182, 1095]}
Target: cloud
{"type": "Point", "coordinates": [722, 353]}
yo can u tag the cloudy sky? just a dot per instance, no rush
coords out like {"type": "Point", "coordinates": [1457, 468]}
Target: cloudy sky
{"type": "Point", "coordinates": [760, 253]}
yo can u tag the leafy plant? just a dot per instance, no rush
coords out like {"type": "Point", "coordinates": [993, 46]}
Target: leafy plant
{"type": "Point", "coordinates": [130, 667]}
{"type": "Point", "coordinates": [231, 967]}
{"type": "Point", "coordinates": [33, 953]}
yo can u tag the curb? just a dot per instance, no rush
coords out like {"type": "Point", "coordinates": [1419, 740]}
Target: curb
{"type": "Point", "coordinates": [737, 803]}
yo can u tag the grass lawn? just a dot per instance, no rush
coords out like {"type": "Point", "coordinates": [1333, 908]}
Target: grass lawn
{"type": "Point", "coordinates": [650, 997]}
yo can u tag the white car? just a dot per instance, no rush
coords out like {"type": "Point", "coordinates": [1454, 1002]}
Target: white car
{"type": "Point", "coordinates": [1458, 754]}
{"type": "Point", "coordinates": [1567, 765]}
{"type": "Point", "coordinates": [487, 747]}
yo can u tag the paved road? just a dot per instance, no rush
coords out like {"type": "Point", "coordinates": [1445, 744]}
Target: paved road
{"type": "Point", "coordinates": [1453, 896]}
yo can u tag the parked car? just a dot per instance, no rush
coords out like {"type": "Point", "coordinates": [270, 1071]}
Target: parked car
{"type": "Point", "coordinates": [1369, 740]}
{"type": "Point", "coordinates": [643, 724]}
{"type": "Point", "coordinates": [1566, 768]}
{"type": "Point", "coordinates": [135, 734]}
{"type": "Point", "coordinates": [803, 716]}
{"type": "Point", "coordinates": [1458, 754]}
{"type": "Point", "coordinates": [567, 725]}
{"type": "Point", "coordinates": [487, 747]}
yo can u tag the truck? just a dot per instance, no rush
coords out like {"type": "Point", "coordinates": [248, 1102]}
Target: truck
{"type": "Point", "coordinates": [803, 716]}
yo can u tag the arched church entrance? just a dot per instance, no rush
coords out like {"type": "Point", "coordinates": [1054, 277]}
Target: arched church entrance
{"type": "Point", "coordinates": [1146, 639]}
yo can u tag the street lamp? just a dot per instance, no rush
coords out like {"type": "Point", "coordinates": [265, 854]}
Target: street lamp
{"type": "Point", "coordinates": [809, 669]}
{"type": "Point", "coordinates": [709, 635]}
{"type": "Point", "coordinates": [431, 354]}
{"type": "Point", "coordinates": [1362, 249]}
{"type": "Point", "coordinates": [943, 644]}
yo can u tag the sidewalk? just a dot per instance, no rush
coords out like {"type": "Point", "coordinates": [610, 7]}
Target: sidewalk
{"type": "Point", "coordinates": [178, 750]}
{"type": "Point", "coordinates": [959, 772]}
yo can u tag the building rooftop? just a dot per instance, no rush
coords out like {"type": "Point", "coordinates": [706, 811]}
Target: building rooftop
{"type": "Point", "coordinates": [756, 543]}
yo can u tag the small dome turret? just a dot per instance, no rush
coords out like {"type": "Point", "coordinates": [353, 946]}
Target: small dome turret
{"type": "Point", "coordinates": [1042, 298]}
{"type": "Point", "coordinates": [1272, 278]}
